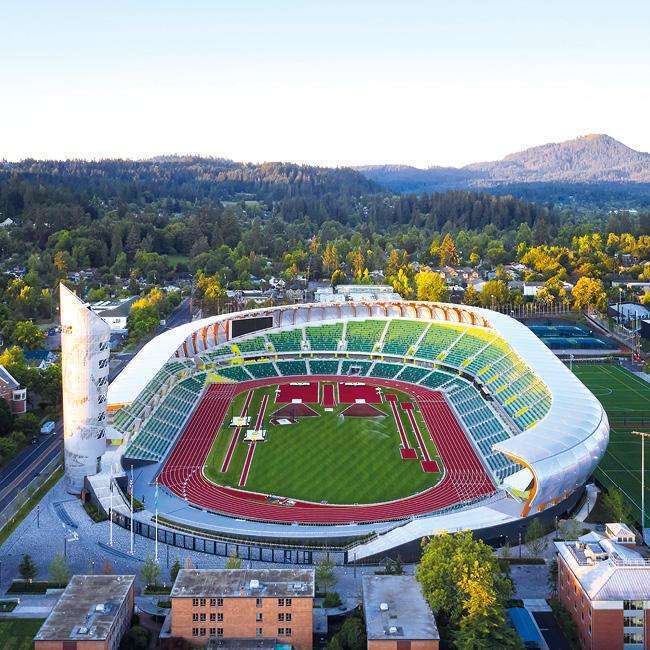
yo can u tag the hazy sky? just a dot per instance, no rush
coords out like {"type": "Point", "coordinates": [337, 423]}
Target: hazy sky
{"type": "Point", "coordinates": [430, 82]}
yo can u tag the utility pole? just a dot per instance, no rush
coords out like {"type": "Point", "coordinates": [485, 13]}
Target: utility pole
{"type": "Point", "coordinates": [131, 509]}
{"type": "Point", "coordinates": [643, 435]}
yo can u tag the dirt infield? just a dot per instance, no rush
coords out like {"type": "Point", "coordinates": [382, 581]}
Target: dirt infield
{"type": "Point", "coordinates": [363, 411]}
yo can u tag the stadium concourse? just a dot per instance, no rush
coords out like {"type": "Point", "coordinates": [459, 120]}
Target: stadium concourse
{"type": "Point", "coordinates": [474, 399]}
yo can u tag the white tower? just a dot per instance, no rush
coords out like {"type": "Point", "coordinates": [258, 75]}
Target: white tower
{"type": "Point", "coordinates": [84, 359]}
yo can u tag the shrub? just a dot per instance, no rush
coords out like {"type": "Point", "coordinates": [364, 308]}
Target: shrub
{"type": "Point", "coordinates": [332, 599]}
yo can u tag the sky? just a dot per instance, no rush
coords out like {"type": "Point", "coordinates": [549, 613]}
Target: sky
{"type": "Point", "coordinates": [432, 82]}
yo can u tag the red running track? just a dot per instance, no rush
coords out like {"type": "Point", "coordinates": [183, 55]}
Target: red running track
{"type": "Point", "coordinates": [251, 447]}
{"type": "Point", "coordinates": [464, 477]}
{"type": "Point", "coordinates": [235, 434]}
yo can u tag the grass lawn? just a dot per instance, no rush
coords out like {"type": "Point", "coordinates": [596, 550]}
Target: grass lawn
{"type": "Point", "coordinates": [17, 633]}
{"type": "Point", "coordinates": [626, 398]}
{"type": "Point", "coordinates": [329, 457]}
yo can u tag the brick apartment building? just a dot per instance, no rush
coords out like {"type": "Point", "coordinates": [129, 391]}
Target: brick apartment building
{"type": "Point", "coordinates": [93, 613]}
{"type": "Point", "coordinates": [12, 393]}
{"type": "Point", "coordinates": [604, 582]}
{"type": "Point", "coordinates": [240, 606]}
{"type": "Point", "coordinates": [397, 615]}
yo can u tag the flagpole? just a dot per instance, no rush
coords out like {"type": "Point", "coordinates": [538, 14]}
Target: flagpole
{"type": "Point", "coordinates": [131, 509]}
{"type": "Point", "coordinates": [110, 512]}
{"type": "Point", "coordinates": [156, 523]}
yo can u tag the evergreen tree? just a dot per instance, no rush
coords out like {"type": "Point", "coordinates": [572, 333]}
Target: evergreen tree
{"type": "Point", "coordinates": [27, 568]}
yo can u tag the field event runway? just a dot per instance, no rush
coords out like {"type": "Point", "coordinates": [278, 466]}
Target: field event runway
{"type": "Point", "coordinates": [464, 476]}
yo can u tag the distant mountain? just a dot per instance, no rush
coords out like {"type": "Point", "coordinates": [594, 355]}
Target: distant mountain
{"type": "Point", "coordinates": [595, 158]}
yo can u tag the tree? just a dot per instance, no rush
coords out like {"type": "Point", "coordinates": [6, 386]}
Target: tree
{"type": "Point", "coordinates": [569, 529]}
{"type": "Point", "coordinates": [402, 284]}
{"type": "Point", "coordinates": [535, 539]}
{"type": "Point", "coordinates": [615, 505]}
{"type": "Point", "coordinates": [150, 572]}
{"type": "Point", "coordinates": [27, 568]}
{"type": "Point", "coordinates": [467, 590]}
{"type": "Point", "coordinates": [430, 286]}
{"type": "Point", "coordinates": [27, 335]}
{"type": "Point", "coordinates": [59, 570]}
{"type": "Point", "coordinates": [137, 638]}
{"type": "Point", "coordinates": [495, 294]}
{"type": "Point", "coordinates": [351, 636]}
{"type": "Point", "coordinates": [6, 419]}
{"type": "Point", "coordinates": [331, 260]}
{"type": "Point", "coordinates": [325, 576]}
{"type": "Point", "coordinates": [589, 292]}
{"type": "Point", "coordinates": [448, 252]}
{"type": "Point", "coordinates": [174, 569]}
{"type": "Point", "coordinates": [337, 278]}
{"type": "Point", "coordinates": [233, 562]}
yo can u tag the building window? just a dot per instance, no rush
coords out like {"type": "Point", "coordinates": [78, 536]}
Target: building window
{"type": "Point", "coordinates": [280, 602]}
{"type": "Point", "coordinates": [202, 632]}
{"type": "Point", "coordinates": [633, 604]}
{"type": "Point", "coordinates": [202, 602]}
{"type": "Point", "coordinates": [287, 618]}
{"type": "Point", "coordinates": [195, 617]}
{"type": "Point", "coordinates": [258, 617]}
{"type": "Point", "coordinates": [219, 631]}
{"type": "Point", "coordinates": [213, 602]}
{"type": "Point", "coordinates": [219, 602]}
{"type": "Point", "coordinates": [280, 631]}
{"type": "Point", "coordinates": [287, 631]}
{"type": "Point", "coordinates": [220, 616]}
{"type": "Point", "coordinates": [195, 631]}
{"type": "Point", "coordinates": [258, 631]}
{"type": "Point", "coordinates": [202, 618]}
{"type": "Point", "coordinates": [281, 618]}
{"type": "Point", "coordinates": [213, 631]}
{"type": "Point", "coordinates": [258, 602]}
{"type": "Point", "coordinates": [633, 620]}
{"type": "Point", "coordinates": [287, 602]}
{"type": "Point", "coordinates": [633, 637]}
{"type": "Point", "coordinates": [213, 618]}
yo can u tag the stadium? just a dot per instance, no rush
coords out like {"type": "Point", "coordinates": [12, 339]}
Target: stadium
{"type": "Point", "coordinates": [357, 426]}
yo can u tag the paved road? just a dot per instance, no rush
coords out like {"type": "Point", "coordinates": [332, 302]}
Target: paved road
{"type": "Point", "coordinates": [28, 464]}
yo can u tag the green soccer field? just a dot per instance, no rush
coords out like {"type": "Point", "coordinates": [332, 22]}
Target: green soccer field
{"type": "Point", "coordinates": [626, 398]}
{"type": "Point", "coordinates": [325, 458]}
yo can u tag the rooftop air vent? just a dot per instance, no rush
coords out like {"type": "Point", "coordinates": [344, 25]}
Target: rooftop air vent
{"type": "Point", "coordinates": [392, 630]}
{"type": "Point", "coordinates": [255, 584]}
{"type": "Point", "coordinates": [383, 607]}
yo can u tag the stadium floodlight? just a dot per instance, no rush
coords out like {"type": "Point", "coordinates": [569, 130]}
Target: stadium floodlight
{"type": "Point", "coordinates": [643, 435]}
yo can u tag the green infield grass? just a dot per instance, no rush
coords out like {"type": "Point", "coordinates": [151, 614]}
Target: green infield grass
{"type": "Point", "coordinates": [626, 398]}
{"type": "Point", "coordinates": [327, 457]}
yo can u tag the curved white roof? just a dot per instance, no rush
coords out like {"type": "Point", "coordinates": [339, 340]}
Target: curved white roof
{"type": "Point", "coordinates": [561, 450]}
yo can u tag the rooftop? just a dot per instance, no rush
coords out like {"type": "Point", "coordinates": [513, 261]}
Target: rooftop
{"type": "Point", "coordinates": [273, 583]}
{"type": "Point", "coordinates": [7, 378]}
{"type": "Point", "coordinates": [607, 570]}
{"type": "Point", "coordinates": [395, 608]}
{"type": "Point", "coordinates": [120, 307]}
{"type": "Point", "coordinates": [86, 609]}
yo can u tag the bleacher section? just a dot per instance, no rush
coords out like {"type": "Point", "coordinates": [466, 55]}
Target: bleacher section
{"type": "Point", "coordinates": [153, 440]}
{"type": "Point", "coordinates": [287, 340]}
{"type": "Point", "coordinates": [249, 346]}
{"type": "Point", "coordinates": [484, 428]}
{"type": "Point", "coordinates": [325, 337]}
{"type": "Point", "coordinates": [437, 340]}
{"type": "Point", "coordinates": [362, 335]}
{"type": "Point", "coordinates": [363, 365]}
{"type": "Point", "coordinates": [292, 367]}
{"type": "Point", "coordinates": [402, 334]}
{"type": "Point", "coordinates": [261, 370]}
{"type": "Point", "coordinates": [236, 373]}
{"type": "Point", "coordinates": [323, 367]}
{"type": "Point", "coordinates": [412, 374]}
{"type": "Point", "coordinates": [385, 370]}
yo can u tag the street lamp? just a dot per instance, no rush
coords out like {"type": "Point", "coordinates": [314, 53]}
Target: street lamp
{"type": "Point", "coordinates": [643, 435]}
{"type": "Point", "coordinates": [73, 538]}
